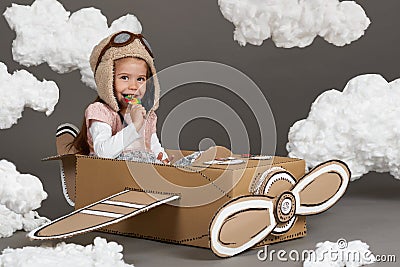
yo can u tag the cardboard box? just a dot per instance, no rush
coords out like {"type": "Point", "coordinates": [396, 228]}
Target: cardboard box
{"type": "Point", "coordinates": [203, 189]}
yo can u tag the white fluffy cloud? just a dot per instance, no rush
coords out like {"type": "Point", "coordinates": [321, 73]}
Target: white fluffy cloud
{"type": "Point", "coordinates": [360, 126]}
{"type": "Point", "coordinates": [20, 194]}
{"type": "Point", "coordinates": [102, 253]}
{"type": "Point", "coordinates": [46, 32]}
{"type": "Point", "coordinates": [293, 23]}
{"type": "Point", "coordinates": [11, 221]}
{"type": "Point", "coordinates": [22, 89]}
{"type": "Point", "coordinates": [336, 254]}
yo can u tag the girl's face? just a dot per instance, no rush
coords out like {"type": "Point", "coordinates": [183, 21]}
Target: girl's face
{"type": "Point", "coordinates": [130, 75]}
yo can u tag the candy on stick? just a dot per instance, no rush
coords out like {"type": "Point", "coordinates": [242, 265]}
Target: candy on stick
{"type": "Point", "coordinates": [132, 100]}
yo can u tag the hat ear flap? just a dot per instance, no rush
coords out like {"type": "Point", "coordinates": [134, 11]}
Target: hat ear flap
{"type": "Point", "coordinates": [104, 78]}
{"type": "Point", "coordinates": [321, 188]}
{"type": "Point", "coordinates": [148, 98]}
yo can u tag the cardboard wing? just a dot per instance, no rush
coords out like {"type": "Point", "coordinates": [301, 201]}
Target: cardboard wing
{"type": "Point", "coordinates": [110, 210]}
{"type": "Point", "coordinates": [245, 221]}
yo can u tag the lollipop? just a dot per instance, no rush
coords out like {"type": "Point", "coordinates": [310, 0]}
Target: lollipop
{"type": "Point", "coordinates": [132, 100]}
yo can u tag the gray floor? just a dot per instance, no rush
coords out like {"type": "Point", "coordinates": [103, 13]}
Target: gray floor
{"type": "Point", "coordinates": [368, 211]}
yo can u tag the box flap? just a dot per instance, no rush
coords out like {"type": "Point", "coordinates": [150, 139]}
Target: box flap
{"type": "Point", "coordinates": [110, 210]}
{"type": "Point", "coordinates": [247, 163]}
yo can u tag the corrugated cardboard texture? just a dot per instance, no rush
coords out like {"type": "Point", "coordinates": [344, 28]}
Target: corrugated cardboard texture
{"type": "Point", "coordinates": [97, 178]}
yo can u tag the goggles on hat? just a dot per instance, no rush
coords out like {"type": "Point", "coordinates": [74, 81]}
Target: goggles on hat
{"type": "Point", "coordinates": [122, 39]}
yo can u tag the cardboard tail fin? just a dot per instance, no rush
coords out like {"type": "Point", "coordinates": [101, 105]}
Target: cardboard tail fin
{"type": "Point", "coordinates": [65, 134]}
{"type": "Point", "coordinates": [110, 210]}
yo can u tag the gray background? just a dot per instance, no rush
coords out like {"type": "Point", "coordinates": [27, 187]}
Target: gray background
{"type": "Point", "coordinates": [290, 79]}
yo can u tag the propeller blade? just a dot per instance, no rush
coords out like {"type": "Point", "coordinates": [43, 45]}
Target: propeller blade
{"type": "Point", "coordinates": [321, 188]}
{"type": "Point", "coordinates": [240, 224]}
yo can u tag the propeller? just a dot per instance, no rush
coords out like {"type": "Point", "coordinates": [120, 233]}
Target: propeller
{"type": "Point", "coordinates": [246, 220]}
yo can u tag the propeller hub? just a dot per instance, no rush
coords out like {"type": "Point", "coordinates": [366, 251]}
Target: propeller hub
{"type": "Point", "coordinates": [285, 207]}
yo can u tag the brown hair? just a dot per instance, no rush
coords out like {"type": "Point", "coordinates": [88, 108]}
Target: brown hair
{"type": "Point", "coordinates": [80, 142]}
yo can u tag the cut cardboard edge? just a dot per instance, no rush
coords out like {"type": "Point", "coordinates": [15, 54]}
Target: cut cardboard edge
{"type": "Point", "coordinates": [61, 156]}
{"type": "Point", "coordinates": [67, 175]}
{"type": "Point", "coordinates": [275, 160]}
{"type": "Point", "coordinates": [65, 185]}
{"type": "Point", "coordinates": [58, 157]}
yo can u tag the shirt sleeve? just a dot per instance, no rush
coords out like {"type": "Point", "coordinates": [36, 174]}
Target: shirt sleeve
{"type": "Point", "coordinates": [107, 145]}
{"type": "Point", "coordinates": [156, 146]}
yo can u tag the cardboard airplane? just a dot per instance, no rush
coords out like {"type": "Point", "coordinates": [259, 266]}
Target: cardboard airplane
{"type": "Point", "coordinates": [225, 202]}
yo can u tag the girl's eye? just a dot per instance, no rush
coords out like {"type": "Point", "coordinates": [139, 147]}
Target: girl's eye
{"type": "Point", "coordinates": [141, 79]}
{"type": "Point", "coordinates": [125, 78]}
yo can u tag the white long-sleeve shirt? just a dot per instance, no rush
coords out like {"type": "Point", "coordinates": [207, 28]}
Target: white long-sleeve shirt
{"type": "Point", "coordinates": [108, 146]}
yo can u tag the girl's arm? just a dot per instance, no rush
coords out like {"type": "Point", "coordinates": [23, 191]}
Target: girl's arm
{"type": "Point", "coordinates": [108, 146]}
{"type": "Point", "coordinates": [156, 146]}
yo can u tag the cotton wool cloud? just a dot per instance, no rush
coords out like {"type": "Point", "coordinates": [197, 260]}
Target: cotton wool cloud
{"type": "Point", "coordinates": [20, 195]}
{"type": "Point", "coordinates": [295, 23]}
{"type": "Point", "coordinates": [46, 32]}
{"type": "Point", "coordinates": [21, 89]}
{"type": "Point", "coordinates": [101, 253]}
{"type": "Point", "coordinates": [342, 253]}
{"type": "Point", "coordinates": [360, 126]}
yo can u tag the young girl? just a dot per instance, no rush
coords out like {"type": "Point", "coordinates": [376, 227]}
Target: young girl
{"type": "Point", "coordinates": [123, 69]}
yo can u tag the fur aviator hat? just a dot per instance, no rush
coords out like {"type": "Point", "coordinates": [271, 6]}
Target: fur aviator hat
{"type": "Point", "coordinates": [120, 45]}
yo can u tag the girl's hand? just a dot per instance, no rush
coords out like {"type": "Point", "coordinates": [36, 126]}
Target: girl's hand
{"type": "Point", "coordinates": [167, 160]}
{"type": "Point", "coordinates": [138, 115]}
